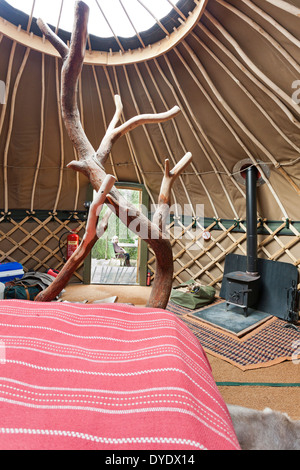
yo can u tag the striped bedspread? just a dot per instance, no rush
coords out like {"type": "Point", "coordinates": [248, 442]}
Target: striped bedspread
{"type": "Point", "coordinates": [110, 376]}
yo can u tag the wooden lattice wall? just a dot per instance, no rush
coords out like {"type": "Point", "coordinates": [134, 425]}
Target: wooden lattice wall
{"type": "Point", "coordinates": [33, 240]}
{"type": "Point", "coordinates": [195, 258]}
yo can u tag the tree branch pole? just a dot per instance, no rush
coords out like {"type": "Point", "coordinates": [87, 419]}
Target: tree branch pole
{"type": "Point", "coordinates": [91, 235]}
{"type": "Point", "coordinates": [164, 199]}
{"type": "Point", "coordinates": [91, 162]}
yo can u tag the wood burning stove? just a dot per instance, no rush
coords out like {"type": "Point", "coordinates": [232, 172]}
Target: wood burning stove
{"type": "Point", "coordinates": [242, 288]}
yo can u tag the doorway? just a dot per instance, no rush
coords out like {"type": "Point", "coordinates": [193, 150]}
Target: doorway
{"type": "Point", "coordinates": [126, 268]}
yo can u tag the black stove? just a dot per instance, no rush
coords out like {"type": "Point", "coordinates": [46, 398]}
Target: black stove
{"type": "Point", "coordinates": [242, 288]}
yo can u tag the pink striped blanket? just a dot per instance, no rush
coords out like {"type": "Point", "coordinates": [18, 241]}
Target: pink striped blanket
{"type": "Point", "coordinates": [110, 376]}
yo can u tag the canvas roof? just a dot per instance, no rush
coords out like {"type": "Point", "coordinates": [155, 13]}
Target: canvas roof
{"type": "Point", "coordinates": [235, 77]}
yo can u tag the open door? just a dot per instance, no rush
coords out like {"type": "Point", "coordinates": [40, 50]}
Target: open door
{"type": "Point", "coordinates": [104, 265]}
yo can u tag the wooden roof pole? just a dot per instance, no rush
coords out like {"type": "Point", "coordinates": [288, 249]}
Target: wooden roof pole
{"type": "Point", "coordinates": [146, 131]}
{"type": "Point", "coordinates": [30, 16]}
{"type": "Point", "coordinates": [42, 114]}
{"type": "Point", "coordinates": [241, 86]}
{"type": "Point", "coordinates": [272, 21]}
{"type": "Point", "coordinates": [277, 165]}
{"type": "Point", "coordinates": [7, 82]}
{"type": "Point", "coordinates": [151, 102]}
{"type": "Point", "coordinates": [177, 10]}
{"type": "Point", "coordinates": [137, 165]}
{"type": "Point", "coordinates": [130, 145]}
{"type": "Point", "coordinates": [91, 163]}
{"type": "Point", "coordinates": [130, 21]}
{"type": "Point", "coordinates": [3, 114]}
{"type": "Point", "coordinates": [201, 132]}
{"type": "Point", "coordinates": [10, 126]}
{"type": "Point", "coordinates": [120, 57]}
{"type": "Point", "coordinates": [154, 17]}
{"type": "Point", "coordinates": [103, 116]}
{"type": "Point", "coordinates": [109, 25]}
{"type": "Point", "coordinates": [293, 10]}
{"type": "Point", "coordinates": [207, 155]}
{"type": "Point", "coordinates": [61, 138]}
{"type": "Point", "coordinates": [226, 122]}
{"type": "Point", "coordinates": [239, 64]}
{"type": "Point", "coordinates": [292, 62]}
{"type": "Point", "coordinates": [59, 16]}
{"type": "Point", "coordinates": [285, 101]}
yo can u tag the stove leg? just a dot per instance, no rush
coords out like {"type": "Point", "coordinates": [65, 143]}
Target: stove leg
{"type": "Point", "coordinates": [245, 311]}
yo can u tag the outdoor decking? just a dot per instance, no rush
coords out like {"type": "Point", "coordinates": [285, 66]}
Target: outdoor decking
{"type": "Point", "coordinates": [112, 272]}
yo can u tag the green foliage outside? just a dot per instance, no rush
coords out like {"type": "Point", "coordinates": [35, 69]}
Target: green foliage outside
{"type": "Point", "coordinates": [103, 247]}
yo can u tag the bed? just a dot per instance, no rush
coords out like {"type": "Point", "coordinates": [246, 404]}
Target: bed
{"type": "Point", "coordinates": [105, 376]}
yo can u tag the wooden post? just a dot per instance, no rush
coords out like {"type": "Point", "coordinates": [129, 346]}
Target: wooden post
{"type": "Point", "coordinates": [91, 164]}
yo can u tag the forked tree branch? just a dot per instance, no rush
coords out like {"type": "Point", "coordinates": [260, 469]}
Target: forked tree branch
{"type": "Point", "coordinates": [91, 165]}
{"type": "Point", "coordinates": [164, 198]}
{"type": "Point", "coordinates": [59, 45]}
{"type": "Point", "coordinates": [90, 237]}
{"type": "Point", "coordinates": [113, 133]}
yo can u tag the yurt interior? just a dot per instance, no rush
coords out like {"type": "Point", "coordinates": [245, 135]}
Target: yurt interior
{"type": "Point", "coordinates": [149, 227]}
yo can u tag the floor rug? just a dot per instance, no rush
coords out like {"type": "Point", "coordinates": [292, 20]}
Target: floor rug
{"type": "Point", "coordinates": [231, 318]}
{"type": "Point", "coordinates": [269, 344]}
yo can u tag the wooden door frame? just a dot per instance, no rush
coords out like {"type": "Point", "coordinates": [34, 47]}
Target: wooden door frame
{"type": "Point", "coordinates": [143, 254]}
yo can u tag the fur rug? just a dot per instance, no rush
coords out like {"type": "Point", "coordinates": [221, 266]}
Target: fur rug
{"type": "Point", "coordinates": [264, 430]}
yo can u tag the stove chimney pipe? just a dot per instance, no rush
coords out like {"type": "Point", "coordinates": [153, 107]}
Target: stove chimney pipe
{"type": "Point", "coordinates": [251, 214]}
